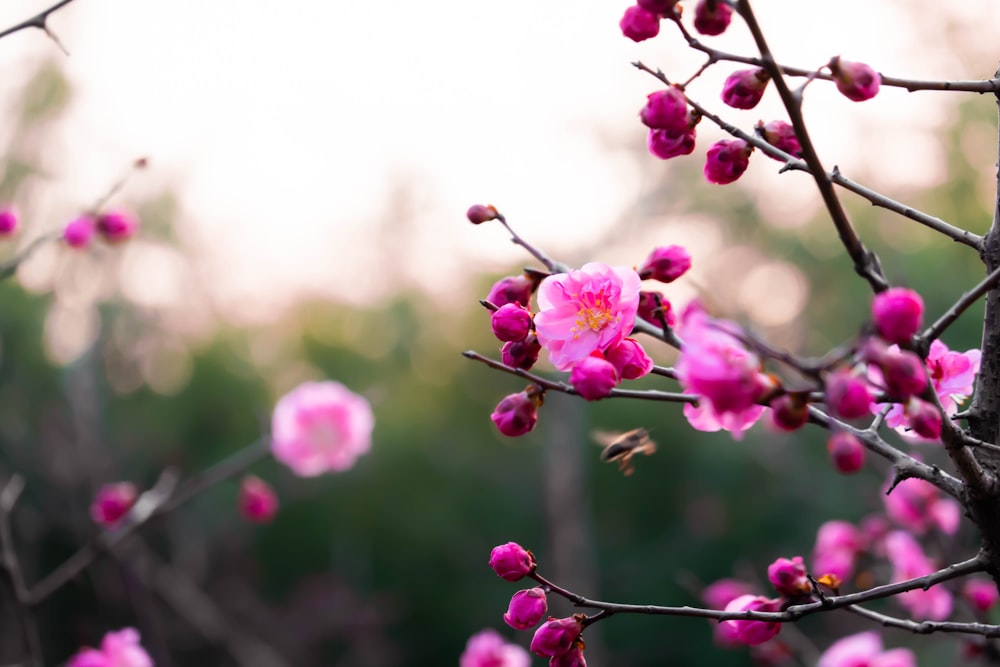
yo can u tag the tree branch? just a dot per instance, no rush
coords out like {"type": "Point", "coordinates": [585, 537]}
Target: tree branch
{"type": "Point", "coordinates": [10, 567]}
{"type": "Point", "coordinates": [39, 21]}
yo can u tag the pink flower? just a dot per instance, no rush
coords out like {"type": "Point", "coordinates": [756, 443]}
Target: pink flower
{"type": "Point", "coordinates": [511, 322]}
{"type": "Point", "coordinates": [790, 412]}
{"type": "Point", "coordinates": [480, 213]}
{"type": "Point", "coordinates": [909, 562]}
{"type": "Point", "coordinates": [258, 501]}
{"type": "Point", "coordinates": [521, 354]}
{"type": "Point", "coordinates": [512, 289]}
{"type": "Point", "coordinates": [898, 313]}
{"type": "Point", "coordinates": [526, 608]}
{"type": "Point", "coordinates": [112, 502]}
{"type": "Point", "coordinates": [901, 372]}
{"type": "Point", "coordinates": [511, 561]}
{"type": "Point", "coordinates": [712, 17]}
{"type": "Point", "coordinates": [744, 88]}
{"type": "Point", "coordinates": [856, 81]}
{"type": "Point", "coordinates": [586, 310]}
{"type": "Point", "coordinates": [556, 637]}
{"type": "Point", "coordinates": [952, 374]}
{"type": "Point", "coordinates": [865, 650]}
{"type": "Point", "coordinates": [717, 367]}
{"type": "Point", "coordinates": [836, 549]}
{"type": "Point", "coordinates": [8, 221]}
{"type": "Point", "coordinates": [118, 649]}
{"type": "Point", "coordinates": [846, 452]}
{"type": "Point", "coordinates": [781, 135]}
{"type": "Point", "coordinates": [79, 232]}
{"type": "Point", "coordinates": [847, 394]}
{"type": "Point", "coordinates": [918, 506]}
{"type": "Point", "coordinates": [925, 419]}
{"type": "Point", "coordinates": [321, 427]}
{"type": "Point", "coordinates": [629, 359]}
{"type": "Point", "coordinates": [488, 649]}
{"type": "Point", "coordinates": [722, 592]}
{"type": "Point", "coordinates": [572, 658]}
{"type": "Point", "coordinates": [788, 576]}
{"type": "Point", "coordinates": [665, 110]}
{"type": "Point", "coordinates": [639, 24]}
{"type": "Point", "coordinates": [117, 226]}
{"type": "Point", "coordinates": [727, 160]}
{"type": "Point", "coordinates": [666, 144]}
{"type": "Point", "coordinates": [594, 377]}
{"type": "Point", "coordinates": [981, 594]}
{"type": "Point", "coordinates": [516, 414]}
{"type": "Point", "coordinates": [649, 311]}
{"type": "Point", "coordinates": [661, 7]}
{"type": "Point", "coordinates": [753, 633]}
{"type": "Point", "coordinates": [703, 417]}
{"type": "Point", "coordinates": [665, 264]}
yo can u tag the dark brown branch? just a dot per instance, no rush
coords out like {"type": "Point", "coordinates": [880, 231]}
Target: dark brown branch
{"type": "Point", "coordinates": [10, 568]}
{"type": "Point", "coordinates": [39, 21]}
{"type": "Point", "coordinates": [967, 300]}
{"type": "Point", "coordinates": [926, 627]}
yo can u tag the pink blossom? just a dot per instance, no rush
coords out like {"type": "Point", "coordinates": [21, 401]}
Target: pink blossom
{"type": "Point", "coordinates": [666, 144]}
{"type": "Point", "coordinates": [665, 110]}
{"type": "Point", "coordinates": [782, 136]}
{"type": "Point", "coordinates": [321, 427]}
{"type": "Point", "coordinates": [703, 417]}
{"type": "Point", "coordinates": [846, 452]}
{"type": "Point", "coordinates": [864, 650]}
{"type": "Point", "coordinates": [909, 562]}
{"type": "Point", "coordinates": [981, 594]}
{"type": "Point", "coordinates": [661, 7]}
{"type": "Point", "coordinates": [511, 322]}
{"type": "Point", "coordinates": [258, 502]}
{"type": "Point", "coordinates": [511, 561]}
{"type": "Point", "coordinates": [586, 310]}
{"type": "Point", "coordinates": [836, 549]}
{"type": "Point", "coordinates": [919, 506]}
{"type": "Point", "coordinates": [665, 264]}
{"type": "Point", "coordinates": [118, 649]}
{"type": "Point", "coordinates": [743, 89]}
{"type": "Point", "coordinates": [594, 377]}
{"type": "Point", "coordinates": [480, 213]}
{"type": "Point", "coordinates": [649, 311]}
{"type": "Point", "coordinates": [556, 636]}
{"type": "Point", "coordinates": [726, 161]}
{"type": "Point", "coordinates": [717, 596]}
{"type": "Point", "coordinates": [79, 232]}
{"type": "Point", "coordinates": [898, 313]}
{"type": "Point", "coordinates": [517, 414]}
{"type": "Point", "coordinates": [856, 81]}
{"type": "Point", "coordinates": [847, 394]}
{"type": "Point", "coordinates": [639, 24]}
{"type": "Point", "coordinates": [572, 658]}
{"type": "Point", "coordinates": [488, 649]}
{"type": "Point", "coordinates": [521, 354]}
{"type": "Point", "coordinates": [117, 226]}
{"type": "Point", "coordinates": [788, 576]}
{"type": "Point", "coordinates": [629, 359]}
{"type": "Point", "coordinates": [789, 412]}
{"type": "Point", "coordinates": [526, 608]}
{"type": "Point", "coordinates": [512, 289]}
{"type": "Point", "coordinates": [8, 221]}
{"type": "Point", "coordinates": [753, 633]}
{"type": "Point", "coordinates": [112, 502]}
{"type": "Point", "coordinates": [900, 372]}
{"type": "Point", "coordinates": [925, 419]}
{"type": "Point", "coordinates": [952, 374]}
{"type": "Point", "coordinates": [712, 17]}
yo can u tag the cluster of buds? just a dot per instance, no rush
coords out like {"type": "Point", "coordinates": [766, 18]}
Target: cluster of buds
{"type": "Point", "coordinates": [112, 226]}
{"type": "Point", "coordinates": [642, 20]}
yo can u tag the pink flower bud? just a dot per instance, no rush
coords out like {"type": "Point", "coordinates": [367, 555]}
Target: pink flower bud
{"type": "Point", "coordinates": [79, 232]}
{"type": "Point", "coordinates": [117, 226]}
{"type": "Point", "coordinates": [118, 649]}
{"type": "Point", "coordinates": [781, 135]}
{"type": "Point", "coordinates": [593, 377]}
{"type": "Point", "coordinates": [722, 592]}
{"type": "Point", "coordinates": [898, 313]}
{"type": "Point", "coordinates": [666, 144]}
{"type": "Point", "coordinates": [857, 81]}
{"type": "Point", "coordinates": [649, 311]}
{"type": "Point", "coordinates": [639, 24]}
{"type": "Point", "coordinates": [521, 354]}
{"type": "Point", "coordinates": [925, 419]}
{"type": "Point", "coordinates": [511, 561]}
{"type": "Point", "coordinates": [8, 221]}
{"type": "Point", "coordinates": [665, 264]}
{"type": "Point", "coordinates": [512, 289]}
{"type": "Point", "coordinates": [744, 88]}
{"type": "Point", "coordinates": [753, 633]}
{"type": "Point", "coordinates": [112, 502]}
{"type": "Point", "coordinates": [790, 412]}
{"type": "Point", "coordinates": [488, 649]}
{"type": "Point", "coordinates": [903, 372]}
{"type": "Point", "coordinates": [712, 17]}
{"type": "Point", "coordinates": [517, 413]}
{"type": "Point", "coordinates": [480, 213]}
{"type": "Point", "coordinates": [257, 501]}
{"type": "Point", "coordinates": [511, 322]}
{"type": "Point", "coordinates": [846, 452]}
{"type": "Point", "coordinates": [981, 594]}
{"type": "Point", "coordinates": [727, 160]}
{"type": "Point", "coordinates": [661, 7]}
{"type": "Point", "coordinates": [847, 394]}
{"type": "Point", "coordinates": [629, 359]}
{"type": "Point", "coordinates": [665, 110]}
{"type": "Point", "coordinates": [556, 636]}
{"type": "Point", "coordinates": [789, 577]}
{"type": "Point", "coordinates": [526, 609]}
{"type": "Point", "coordinates": [572, 658]}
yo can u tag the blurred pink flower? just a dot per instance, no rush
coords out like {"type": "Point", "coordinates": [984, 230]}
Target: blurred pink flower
{"type": "Point", "coordinates": [488, 649]}
{"type": "Point", "coordinates": [909, 562]}
{"type": "Point", "coordinates": [981, 594]}
{"type": "Point", "coordinates": [79, 232]}
{"type": "Point", "coordinates": [712, 18]}
{"type": "Point", "coordinates": [112, 502]}
{"type": "Point", "coordinates": [117, 226]}
{"type": "Point", "coordinates": [865, 650]}
{"type": "Point", "coordinates": [8, 221]}
{"type": "Point", "coordinates": [753, 633]}
{"type": "Point", "coordinates": [918, 506]}
{"type": "Point", "coordinates": [788, 576]}
{"type": "Point", "coordinates": [257, 500]}
{"type": "Point", "coordinates": [321, 427]}
{"type": "Point", "coordinates": [118, 649]}
{"type": "Point", "coordinates": [586, 310]}
{"type": "Point", "coordinates": [836, 549]}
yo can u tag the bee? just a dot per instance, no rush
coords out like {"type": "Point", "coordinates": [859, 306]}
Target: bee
{"type": "Point", "coordinates": [621, 447]}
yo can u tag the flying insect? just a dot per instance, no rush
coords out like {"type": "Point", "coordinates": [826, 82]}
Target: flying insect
{"type": "Point", "coordinates": [621, 447]}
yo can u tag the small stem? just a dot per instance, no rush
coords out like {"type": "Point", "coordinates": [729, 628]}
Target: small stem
{"type": "Point", "coordinates": [38, 21]}
{"type": "Point", "coordinates": [551, 265]}
{"type": "Point", "coordinates": [967, 300]}
{"type": "Point", "coordinates": [10, 566]}
{"type": "Point", "coordinates": [9, 268]}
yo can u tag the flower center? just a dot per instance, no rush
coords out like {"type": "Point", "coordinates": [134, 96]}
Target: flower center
{"type": "Point", "coordinates": [324, 435]}
{"type": "Point", "coordinates": [592, 318]}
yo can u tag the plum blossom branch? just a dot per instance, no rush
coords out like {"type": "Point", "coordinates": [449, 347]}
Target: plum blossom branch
{"type": "Point", "coordinates": [550, 264]}
{"type": "Point", "coordinates": [964, 302]}
{"type": "Point", "coordinates": [10, 567]}
{"type": "Point", "coordinates": [39, 21]}
{"type": "Point", "coordinates": [642, 394]}
{"type": "Point", "coordinates": [927, 627]}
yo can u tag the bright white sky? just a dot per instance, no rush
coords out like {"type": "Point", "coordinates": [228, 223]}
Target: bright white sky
{"type": "Point", "coordinates": [286, 127]}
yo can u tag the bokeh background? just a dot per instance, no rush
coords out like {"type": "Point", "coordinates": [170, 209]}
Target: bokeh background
{"type": "Point", "coordinates": [310, 165]}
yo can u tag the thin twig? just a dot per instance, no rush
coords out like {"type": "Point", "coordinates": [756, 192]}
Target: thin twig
{"type": "Point", "coordinates": [8, 268]}
{"type": "Point", "coordinates": [10, 566]}
{"type": "Point", "coordinates": [964, 303]}
{"type": "Point", "coordinates": [550, 264]}
{"type": "Point", "coordinates": [39, 21]}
